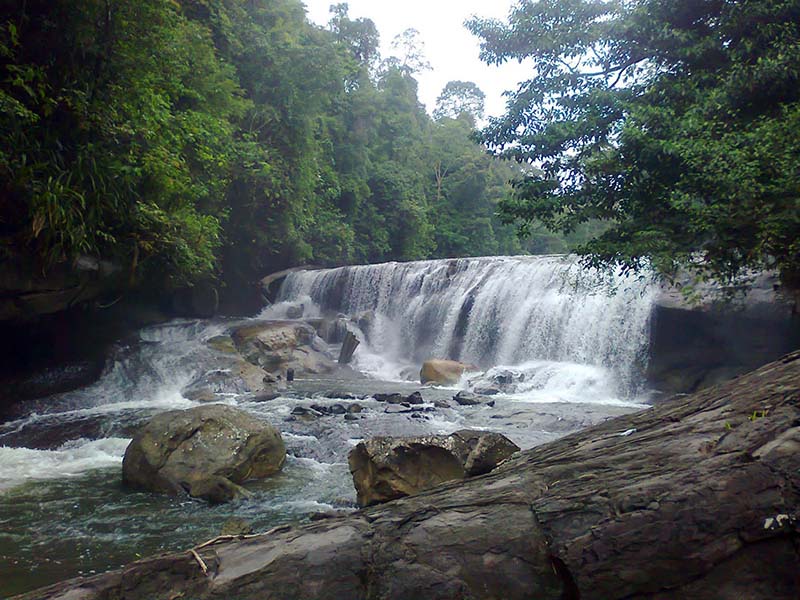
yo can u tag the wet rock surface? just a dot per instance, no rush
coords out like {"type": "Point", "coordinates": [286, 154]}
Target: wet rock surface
{"type": "Point", "coordinates": [277, 346]}
{"type": "Point", "coordinates": [333, 331]}
{"type": "Point", "coordinates": [443, 372]}
{"type": "Point", "coordinates": [387, 468]}
{"type": "Point", "coordinates": [238, 377]}
{"type": "Point", "coordinates": [205, 452]}
{"type": "Point", "coordinates": [697, 498]}
{"type": "Point", "coordinates": [467, 399]}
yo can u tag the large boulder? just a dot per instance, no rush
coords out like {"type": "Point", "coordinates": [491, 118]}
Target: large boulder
{"type": "Point", "coordinates": [277, 346]}
{"type": "Point", "coordinates": [237, 377]}
{"type": "Point", "coordinates": [205, 452]}
{"type": "Point", "coordinates": [443, 372]}
{"type": "Point", "coordinates": [386, 468]}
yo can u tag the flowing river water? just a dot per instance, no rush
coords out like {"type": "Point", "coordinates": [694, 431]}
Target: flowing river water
{"type": "Point", "coordinates": [573, 343]}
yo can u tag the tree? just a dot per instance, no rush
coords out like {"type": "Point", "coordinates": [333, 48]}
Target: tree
{"type": "Point", "coordinates": [410, 50]}
{"type": "Point", "coordinates": [676, 122]}
{"type": "Point", "coordinates": [460, 97]}
{"type": "Point", "coordinates": [281, 200]}
{"type": "Point", "coordinates": [360, 35]}
{"type": "Point", "coordinates": [116, 135]}
{"type": "Point", "coordinates": [466, 183]}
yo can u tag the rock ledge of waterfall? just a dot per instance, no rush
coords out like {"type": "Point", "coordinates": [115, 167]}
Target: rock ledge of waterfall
{"type": "Point", "coordinates": [696, 498]}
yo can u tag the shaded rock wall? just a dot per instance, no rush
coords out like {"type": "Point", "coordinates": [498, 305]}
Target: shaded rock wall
{"type": "Point", "coordinates": [27, 291]}
{"type": "Point", "coordinates": [57, 325]}
{"type": "Point", "coordinates": [697, 344]}
{"type": "Point", "coordinates": [64, 351]}
{"type": "Point", "coordinates": [694, 499]}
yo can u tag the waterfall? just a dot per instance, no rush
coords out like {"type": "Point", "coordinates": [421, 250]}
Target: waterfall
{"type": "Point", "coordinates": [493, 311]}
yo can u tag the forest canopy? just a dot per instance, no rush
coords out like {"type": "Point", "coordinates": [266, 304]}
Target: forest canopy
{"type": "Point", "coordinates": [184, 140]}
{"type": "Point", "coordinates": [677, 123]}
{"type": "Point", "coordinates": [188, 139]}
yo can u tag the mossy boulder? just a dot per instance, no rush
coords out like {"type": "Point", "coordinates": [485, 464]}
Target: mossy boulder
{"type": "Point", "coordinates": [206, 452]}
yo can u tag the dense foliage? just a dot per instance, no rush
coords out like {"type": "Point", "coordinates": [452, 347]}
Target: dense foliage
{"type": "Point", "coordinates": [676, 122]}
{"type": "Point", "coordinates": [184, 139]}
{"type": "Point", "coordinates": [116, 132]}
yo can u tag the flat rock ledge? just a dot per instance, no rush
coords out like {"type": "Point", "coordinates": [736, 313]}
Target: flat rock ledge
{"type": "Point", "coordinates": [697, 498]}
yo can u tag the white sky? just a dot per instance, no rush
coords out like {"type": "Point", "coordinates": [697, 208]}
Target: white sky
{"type": "Point", "coordinates": [451, 50]}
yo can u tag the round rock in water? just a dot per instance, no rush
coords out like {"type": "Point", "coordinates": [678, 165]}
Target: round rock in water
{"type": "Point", "coordinates": [205, 452]}
{"type": "Point", "coordinates": [443, 372]}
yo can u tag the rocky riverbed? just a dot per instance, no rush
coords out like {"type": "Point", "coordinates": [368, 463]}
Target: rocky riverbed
{"type": "Point", "coordinates": [64, 510]}
{"type": "Point", "coordinates": [697, 498]}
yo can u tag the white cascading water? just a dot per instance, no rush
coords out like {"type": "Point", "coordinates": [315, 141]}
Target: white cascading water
{"type": "Point", "coordinates": [529, 312]}
{"type": "Point", "coordinates": [148, 379]}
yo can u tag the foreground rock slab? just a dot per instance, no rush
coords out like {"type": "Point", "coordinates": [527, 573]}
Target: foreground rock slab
{"type": "Point", "coordinates": [205, 452]}
{"type": "Point", "coordinates": [695, 499]}
{"type": "Point", "coordinates": [386, 468]}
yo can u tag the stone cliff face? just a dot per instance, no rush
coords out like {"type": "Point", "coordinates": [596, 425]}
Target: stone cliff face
{"type": "Point", "coordinates": [705, 339]}
{"type": "Point", "coordinates": [697, 498]}
{"type": "Point", "coordinates": [60, 322]}
{"type": "Point", "coordinates": [28, 292]}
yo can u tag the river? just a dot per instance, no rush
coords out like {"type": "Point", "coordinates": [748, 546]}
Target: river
{"type": "Point", "coordinates": [573, 343]}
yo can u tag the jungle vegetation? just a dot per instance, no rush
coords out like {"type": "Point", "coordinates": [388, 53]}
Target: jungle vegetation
{"type": "Point", "coordinates": [195, 139]}
{"type": "Point", "coordinates": [676, 123]}
{"type": "Point", "coordinates": [188, 139]}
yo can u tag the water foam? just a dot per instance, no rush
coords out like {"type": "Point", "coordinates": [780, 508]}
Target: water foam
{"type": "Point", "coordinates": [75, 458]}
